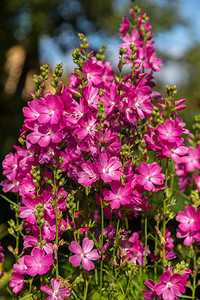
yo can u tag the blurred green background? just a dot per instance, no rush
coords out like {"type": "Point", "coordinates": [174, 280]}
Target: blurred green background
{"type": "Point", "coordinates": [35, 32]}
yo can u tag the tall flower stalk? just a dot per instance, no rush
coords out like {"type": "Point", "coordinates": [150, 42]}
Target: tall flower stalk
{"type": "Point", "coordinates": [92, 175]}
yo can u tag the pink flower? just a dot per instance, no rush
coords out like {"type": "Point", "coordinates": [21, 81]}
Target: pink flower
{"type": "Point", "coordinates": [175, 150]}
{"type": "Point", "coordinates": [90, 174]}
{"type": "Point", "coordinates": [171, 285]}
{"type": "Point", "coordinates": [150, 175]}
{"type": "Point", "coordinates": [119, 195]}
{"type": "Point", "coordinates": [189, 220]}
{"type": "Point", "coordinates": [87, 127]}
{"type": "Point", "coordinates": [109, 168]}
{"type": "Point", "coordinates": [11, 166]}
{"type": "Point", "coordinates": [27, 211]}
{"type": "Point", "coordinates": [169, 132]}
{"type": "Point", "coordinates": [16, 282]}
{"type": "Point", "coordinates": [142, 104]}
{"type": "Point", "coordinates": [55, 293]}
{"type": "Point", "coordinates": [189, 225]}
{"type": "Point", "coordinates": [93, 71]}
{"type": "Point", "coordinates": [31, 112]}
{"type": "Point", "coordinates": [45, 133]}
{"type": "Point", "coordinates": [38, 262]}
{"type": "Point", "coordinates": [131, 39]}
{"type": "Point", "coordinates": [50, 109]}
{"type": "Point", "coordinates": [189, 236]}
{"type": "Point", "coordinates": [84, 255]}
{"type": "Point", "coordinates": [192, 160]}
{"type": "Point", "coordinates": [20, 268]}
{"type": "Point", "coordinates": [124, 26]}
{"type": "Point", "coordinates": [150, 294]}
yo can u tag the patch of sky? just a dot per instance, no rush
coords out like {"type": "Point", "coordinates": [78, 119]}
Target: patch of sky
{"type": "Point", "coordinates": [67, 6]}
{"type": "Point", "coordinates": [174, 42]}
{"type": "Point", "coordinates": [22, 25]}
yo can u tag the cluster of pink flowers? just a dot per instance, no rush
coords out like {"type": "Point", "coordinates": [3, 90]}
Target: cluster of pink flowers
{"type": "Point", "coordinates": [170, 286]}
{"type": "Point", "coordinates": [188, 168]}
{"type": "Point", "coordinates": [85, 153]}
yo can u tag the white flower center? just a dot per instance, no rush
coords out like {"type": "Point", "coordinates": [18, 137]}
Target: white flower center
{"type": "Point", "coordinates": [148, 177]}
{"type": "Point", "coordinates": [51, 112]}
{"type": "Point", "coordinates": [191, 220]}
{"type": "Point", "coordinates": [105, 170]}
{"type": "Point", "coordinates": [169, 284]}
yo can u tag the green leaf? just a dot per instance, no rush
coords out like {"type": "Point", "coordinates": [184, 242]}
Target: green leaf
{"type": "Point", "coordinates": [8, 200]}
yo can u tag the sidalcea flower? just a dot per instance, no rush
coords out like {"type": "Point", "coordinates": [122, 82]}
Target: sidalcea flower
{"type": "Point", "coordinates": [84, 255]}
{"type": "Point", "coordinates": [38, 262]}
{"type": "Point", "coordinates": [171, 285]}
{"type": "Point", "coordinates": [150, 294]}
{"type": "Point", "coordinates": [45, 133]}
{"type": "Point", "coordinates": [119, 195]}
{"type": "Point", "coordinates": [189, 220]}
{"type": "Point", "coordinates": [124, 26]}
{"type": "Point", "coordinates": [108, 167]}
{"type": "Point", "coordinates": [16, 282]}
{"type": "Point", "coordinates": [150, 175]}
{"type": "Point", "coordinates": [55, 293]}
{"type": "Point", "coordinates": [189, 225]}
{"type": "Point", "coordinates": [89, 174]}
{"type": "Point", "coordinates": [169, 132]}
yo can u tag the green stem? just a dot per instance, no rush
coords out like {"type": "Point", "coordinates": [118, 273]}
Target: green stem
{"type": "Point", "coordinates": [128, 285]}
{"type": "Point", "coordinates": [8, 200]}
{"type": "Point", "coordinates": [146, 237]}
{"type": "Point", "coordinates": [116, 244]}
{"type": "Point", "coordinates": [30, 285]}
{"type": "Point", "coordinates": [86, 289]}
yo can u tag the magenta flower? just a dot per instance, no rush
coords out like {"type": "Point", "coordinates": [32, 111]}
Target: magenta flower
{"type": "Point", "coordinates": [50, 109]}
{"type": "Point", "coordinates": [87, 127]}
{"type": "Point", "coordinates": [93, 71]}
{"type": "Point", "coordinates": [143, 106]}
{"type": "Point", "coordinates": [84, 255]}
{"type": "Point", "coordinates": [89, 174]}
{"type": "Point", "coordinates": [189, 220]}
{"type": "Point", "coordinates": [189, 225]}
{"type": "Point", "coordinates": [175, 150]}
{"type": "Point", "coordinates": [55, 293]}
{"type": "Point", "coordinates": [169, 132]}
{"type": "Point", "coordinates": [45, 133]}
{"type": "Point", "coordinates": [119, 195]}
{"type": "Point", "coordinates": [27, 211]}
{"type": "Point", "coordinates": [11, 166]}
{"type": "Point", "coordinates": [171, 285]}
{"type": "Point", "coordinates": [150, 294]}
{"type": "Point", "coordinates": [189, 236]}
{"type": "Point", "coordinates": [109, 168]}
{"type": "Point", "coordinates": [124, 26]}
{"type": "Point", "coordinates": [38, 262]}
{"type": "Point", "coordinates": [192, 160]}
{"type": "Point", "coordinates": [150, 175]}
{"type": "Point", "coordinates": [16, 282]}
{"type": "Point", "coordinates": [31, 112]}
{"type": "Point", "coordinates": [20, 268]}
